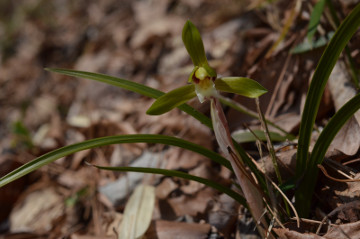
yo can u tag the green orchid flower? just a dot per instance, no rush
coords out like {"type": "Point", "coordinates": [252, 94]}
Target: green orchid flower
{"type": "Point", "coordinates": [203, 80]}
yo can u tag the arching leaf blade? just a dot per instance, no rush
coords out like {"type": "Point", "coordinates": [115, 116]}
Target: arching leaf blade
{"type": "Point", "coordinates": [321, 75]}
{"type": "Point", "coordinates": [179, 174]}
{"type": "Point", "coordinates": [153, 93]}
{"type": "Point", "coordinates": [332, 128]}
{"type": "Point", "coordinates": [322, 144]}
{"type": "Point", "coordinates": [119, 139]}
{"type": "Point", "coordinates": [132, 86]}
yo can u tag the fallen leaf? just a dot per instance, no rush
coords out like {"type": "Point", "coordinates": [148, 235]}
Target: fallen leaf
{"type": "Point", "coordinates": [347, 139]}
{"type": "Point", "coordinates": [138, 212]}
{"type": "Point", "coordinates": [165, 188]}
{"type": "Point", "coordinates": [178, 230]}
{"type": "Point", "coordinates": [46, 205]}
{"type": "Point", "coordinates": [344, 231]}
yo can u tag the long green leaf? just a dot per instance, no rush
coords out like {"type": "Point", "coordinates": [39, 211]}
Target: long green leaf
{"type": "Point", "coordinates": [323, 143]}
{"type": "Point", "coordinates": [241, 86]}
{"type": "Point", "coordinates": [332, 128]}
{"type": "Point", "coordinates": [172, 99]}
{"type": "Point", "coordinates": [343, 34]}
{"type": "Point", "coordinates": [179, 174]}
{"type": "Point", "coordinates": [153, 93]}
{"type": "Point", "coordinates": [132, 86]}
{"type": "Point", "coordinates": [119, 139]}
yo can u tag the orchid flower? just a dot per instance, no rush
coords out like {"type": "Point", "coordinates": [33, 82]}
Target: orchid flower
{"type": "Point", "coordinates": [203, 81]}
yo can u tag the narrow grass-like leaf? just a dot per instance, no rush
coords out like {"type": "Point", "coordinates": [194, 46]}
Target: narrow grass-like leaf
{"type": "Point", "coordinates": [153, 93]}
{"type": "Point", "coordinates": [316, 89]}
{"type": "Point", "coordinates": [332, 128]}
{"type": "Point", "coordinates": [179, 174]}
{"type": "Point", "coordinates": [351, 61]}
{"type": "Point", "coordinates": [132, 86]}
{"type": "Point", "coordinates": [323, 143]}
{"type": "Point", "coordinates": [240, 85]}
{"type": "Point", "coordinates": [315, 19]}
{"type": "Point", "coordinates": [119, 139]}
{"type": "Point", "coordinates": [172, 99]}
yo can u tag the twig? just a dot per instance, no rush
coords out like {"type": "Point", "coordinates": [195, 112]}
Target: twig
{"type": "Point", "coordinates": [336, 179]}
{"type": "Point", "coordinates": [268, 139]}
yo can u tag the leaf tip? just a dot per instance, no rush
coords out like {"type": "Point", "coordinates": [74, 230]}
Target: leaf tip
{"type": "Point", "coordinates": [151, 111]}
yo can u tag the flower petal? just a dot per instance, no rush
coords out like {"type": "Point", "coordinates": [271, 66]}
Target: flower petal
{"type": "Point", "coordinates": [240, 85]}
{"type": "Point", "coordinates": [172, 99]}
{"type": "Point", "coordinates": [194, 44]}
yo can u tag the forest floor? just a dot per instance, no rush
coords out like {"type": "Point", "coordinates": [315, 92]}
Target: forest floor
{"type": "Point", "coordinates": [141, 41]}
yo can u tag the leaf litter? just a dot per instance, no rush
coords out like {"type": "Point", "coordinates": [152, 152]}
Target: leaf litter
{"type": "Point", "coordinates": [66, 198]}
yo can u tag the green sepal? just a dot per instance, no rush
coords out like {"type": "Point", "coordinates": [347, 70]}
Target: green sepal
{"type": "Point", "coordinates": [194, 44]}
{"type": "Point", "coordinates": [241, 86]}
{"type": "Point", "coordinates": [172, 99]}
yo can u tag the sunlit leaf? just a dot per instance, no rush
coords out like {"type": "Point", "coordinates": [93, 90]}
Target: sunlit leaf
{"type": "Point", "coordinates": [172, 99]}
{"type": "Point", "coordinates": [240, 85]}
{"type": "Point", "coordinates": [179, 174]}
{"type": "Point", "coordinates": [119, 139]}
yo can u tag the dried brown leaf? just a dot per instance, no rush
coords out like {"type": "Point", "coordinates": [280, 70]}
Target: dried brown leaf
{"type": "Point", "coordinates": [138, 212]}
{"type": "Point", "coordinates": [348, 138]}
{"type": "Point", "coordinates": [251, 192]}
{"type": "Point", "coordinates": [46, 205]}
{"type": "Point", "coordinates": [179, 230]}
